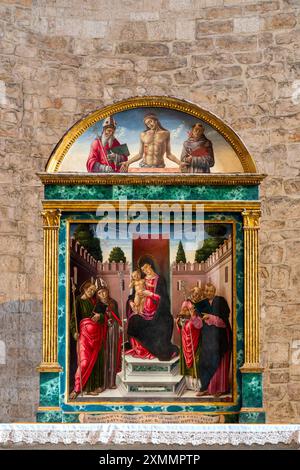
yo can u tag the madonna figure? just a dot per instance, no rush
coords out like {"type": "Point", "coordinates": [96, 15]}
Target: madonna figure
{"type": "Point", "coordinates": [150, 331]}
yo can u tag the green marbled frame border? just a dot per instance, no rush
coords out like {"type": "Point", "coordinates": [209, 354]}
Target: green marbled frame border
{"type": "Point", "coordinates": [149, 192]}
{"type": "Point", "coordinates": [57, 382]}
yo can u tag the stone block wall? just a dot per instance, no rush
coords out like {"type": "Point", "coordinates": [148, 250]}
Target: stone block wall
{"type": "Point", "coordinates": [61, 59]}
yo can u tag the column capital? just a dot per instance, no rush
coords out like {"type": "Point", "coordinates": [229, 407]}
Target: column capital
{"type": "Point", "coordinates": [51, 218]}
{"type": "Point", "coordinates": [251, 218]}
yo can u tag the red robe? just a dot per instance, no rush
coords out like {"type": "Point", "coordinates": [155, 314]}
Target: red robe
{"type": "Point", "coordinates": [120, 340]}
{"type": "Point", "coordinates": [112, 340]}
{"type": "Point", "coordinates": [98, 154]}
{"type": "Point", "coordinates": [220, 380]}
{"type": "Point", "coordinates": [190, 336]}
{"type": "Point", "coordinates": [91, 337]}
{"type": "Point", "coordinates": [150, 307]}
{"type": "Point", "coordinates": [190, 333]}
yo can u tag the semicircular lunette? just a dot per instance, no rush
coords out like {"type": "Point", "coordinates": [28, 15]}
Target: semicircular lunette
{"type": "Point", "coordinates": [151, 135]}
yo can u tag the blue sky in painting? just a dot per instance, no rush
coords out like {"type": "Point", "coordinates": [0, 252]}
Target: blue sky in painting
{"type": "Point", "coordinates": [189, 246]}
{"type": "Point", "coordinates": [131, 123]}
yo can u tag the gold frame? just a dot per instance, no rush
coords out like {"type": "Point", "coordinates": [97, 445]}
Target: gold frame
{"type": "Point", "coordinates": [80, 127]}
{"type": "Point", "coordinates": [250, 211]}
{"type": "Point", "coordinates": [147, 403]}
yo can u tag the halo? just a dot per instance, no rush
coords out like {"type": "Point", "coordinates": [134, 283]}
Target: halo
{"type": "Point", "coordinates": [85, 284]}
{"type": "Point", "coordinates": [149, 259]}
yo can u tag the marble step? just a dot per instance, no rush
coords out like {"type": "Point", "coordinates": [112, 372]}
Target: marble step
{"type": "Point", "coordinates": [135, 365]}
{"type": "Point", "coordinates": [152, 385]}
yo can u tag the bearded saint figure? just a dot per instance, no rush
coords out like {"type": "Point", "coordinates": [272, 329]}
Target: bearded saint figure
{"type": "Point", "coordinates": [197, 153]}
{"type": "Point", "coordinates": [102, 158]}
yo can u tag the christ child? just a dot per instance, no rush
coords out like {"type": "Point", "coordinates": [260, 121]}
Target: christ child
{"type": "Point", "coordinates": [139, 286]}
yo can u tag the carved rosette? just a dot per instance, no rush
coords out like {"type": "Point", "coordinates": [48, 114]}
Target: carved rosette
{"type": "Point", "coordinates": [251, 289]}
{"type": "Point", "coordinates": [51, 223]}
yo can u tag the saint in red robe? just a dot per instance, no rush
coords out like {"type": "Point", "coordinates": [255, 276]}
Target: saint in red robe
{"type": "Point", "coordinates": [99, 161]}
{"type": "Point", "coordinates": [92, 335]}
{"type": "Point", "coordinates": [190, 333]}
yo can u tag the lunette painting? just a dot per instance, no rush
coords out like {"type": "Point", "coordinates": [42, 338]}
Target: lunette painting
{"type": "Point", "coordinates": [151, 315]}
{"type": "Point", "coordinates": [151, 140]}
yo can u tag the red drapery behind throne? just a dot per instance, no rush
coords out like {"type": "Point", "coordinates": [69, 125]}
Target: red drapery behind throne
{"type": "Point", "coordinates": [158, 249]}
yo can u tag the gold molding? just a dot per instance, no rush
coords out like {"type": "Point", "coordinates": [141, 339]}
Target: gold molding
{"type": "Point", "coordinates": [49, 408]}
{"type": "Point", "coordinates": [93, 205]}
{"type": "Point", "coordinates": [80, 127]}
{"type": "Point", "coordinates": [51, 223]}
{"type": "Point", "coordinates": [251, 288]}
{"type": "Point", "coordinates": [214, 179]}
{"type": "Point", "coordinates": [162, 402]}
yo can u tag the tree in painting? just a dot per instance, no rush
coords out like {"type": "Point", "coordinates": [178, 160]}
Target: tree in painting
{"type": "Point", "coordinates": [180, 257]}
{"type": "Point", "coordinates": [117, 255]}
{"type": "Point", "coordinates": [216, 233]}
{"type": "Point", "coordinates": [84, 234]}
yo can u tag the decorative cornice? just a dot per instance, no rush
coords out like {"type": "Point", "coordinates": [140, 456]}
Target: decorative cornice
{"type": "Point", "coordinates": [167, 102]}
{"type": "Point", "coordinates": [217, 179]}
{"type": "Point", "coordinates": [94, 205]}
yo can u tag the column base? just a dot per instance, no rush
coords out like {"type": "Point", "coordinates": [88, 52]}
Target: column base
{"type": "Point", "coordinates": [49, 367]}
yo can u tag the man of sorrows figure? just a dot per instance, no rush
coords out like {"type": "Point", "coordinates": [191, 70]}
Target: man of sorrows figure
{"type": "Point", "coordinates": [154, 145]}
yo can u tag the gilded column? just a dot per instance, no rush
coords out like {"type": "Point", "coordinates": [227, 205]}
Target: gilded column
{"type": "Point", "coordinates": [251, 288]}
{"type": "Point", "coordinates": [252, 410]}
{"type": "Point", "coordinates": [51, 222]}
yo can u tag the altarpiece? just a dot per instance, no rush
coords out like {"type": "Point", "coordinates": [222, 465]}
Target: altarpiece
{"type": "Point", "coordinates": [151, 301]}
